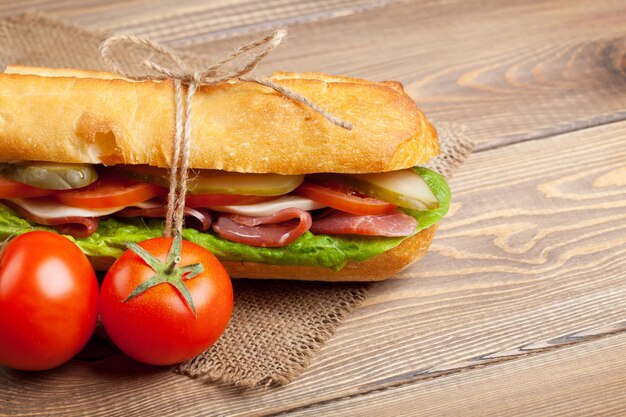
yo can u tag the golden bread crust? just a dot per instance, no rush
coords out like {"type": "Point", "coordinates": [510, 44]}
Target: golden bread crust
{"type": "Point", "coordinates": [84, 116]}
{"type": "Point", "coordinates": [378, 268]}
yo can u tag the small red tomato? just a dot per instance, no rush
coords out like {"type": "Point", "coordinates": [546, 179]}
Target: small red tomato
{"type": "Point", "coordinates": [162, 310]}
{"type": "Point", "coordinates": [48, 301]}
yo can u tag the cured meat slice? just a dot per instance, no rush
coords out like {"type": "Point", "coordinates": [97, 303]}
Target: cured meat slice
{"type": "Point", "coordinates": [79, 227]}
{"type": "Point", "coordinates": [76, 226]}
{"type": "Point", "coordinates": [275, 230]}
{"type": "Point", "coordinates": [197, 218]}
{"type": "Point", "coordinates": [395, 224]}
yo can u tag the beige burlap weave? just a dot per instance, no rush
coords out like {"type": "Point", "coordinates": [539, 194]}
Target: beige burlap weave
{"type": "Point", "coordinates": [277, 326]}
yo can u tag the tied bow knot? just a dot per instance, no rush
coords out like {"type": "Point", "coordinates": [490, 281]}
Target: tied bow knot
{"type": "Point", "coordinates": [184, 72]}
{"type": "Point", "coordinates": [191, 77]}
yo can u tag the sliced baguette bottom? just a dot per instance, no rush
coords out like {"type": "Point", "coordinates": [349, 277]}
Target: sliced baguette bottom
{"type": "Point", "coordinates": [377, 268]}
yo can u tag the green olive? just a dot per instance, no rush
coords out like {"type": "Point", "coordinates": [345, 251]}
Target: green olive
{"type": "Point", "coordinates": [50, 175]}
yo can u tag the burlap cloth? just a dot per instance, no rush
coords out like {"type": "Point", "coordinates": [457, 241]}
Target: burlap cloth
{"type": "Point", "coordinates": [277, 326]}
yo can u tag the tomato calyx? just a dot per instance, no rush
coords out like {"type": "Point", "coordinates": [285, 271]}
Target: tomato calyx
{"type": "Point", "coordinates": [167, 272]}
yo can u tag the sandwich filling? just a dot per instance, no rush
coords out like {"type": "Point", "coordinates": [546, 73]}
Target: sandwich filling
{"type": "Point", "coordinates": [323, 220]}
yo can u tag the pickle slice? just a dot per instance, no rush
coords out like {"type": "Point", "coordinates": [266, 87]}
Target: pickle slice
{"type": "Point", "coordinates": [404, 188]}
{"type": "Point", "coordinates": [50, 175]}
{"type": "Point", "coordinates": [143, 173]}
{"type": "Point", "coordinates": [217, 182]}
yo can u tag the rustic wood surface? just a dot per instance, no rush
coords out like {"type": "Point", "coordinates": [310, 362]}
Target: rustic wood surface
{"type": "Point", "coordinates": [586, 379]}
{"type": "Point", "coordinates": [520, 306]}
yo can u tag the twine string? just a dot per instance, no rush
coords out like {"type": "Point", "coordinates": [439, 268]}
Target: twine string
{"type": "Point", "coordinates": [187, 79]}
{"type": "Point", "coordinates": [172, 201]}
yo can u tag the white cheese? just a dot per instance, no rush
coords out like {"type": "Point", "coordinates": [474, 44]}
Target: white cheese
{"type": "Point", "coordinates": [47, 208]}
{"type": "Point", "coordinates": [268, 208]}
{"type": "Point", "coordinates": [148, 204]}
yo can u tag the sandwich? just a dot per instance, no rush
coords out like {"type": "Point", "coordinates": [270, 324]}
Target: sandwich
{"type": "Point", "coordinates": [275, 190]}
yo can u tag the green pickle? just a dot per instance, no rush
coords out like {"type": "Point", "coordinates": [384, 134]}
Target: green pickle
{"type": "Point", "coordinates": [206, 181]}
{"type": "Point", "coordinates": [50, 175]}
{"type": "Point", "coordinates": [403, 188]}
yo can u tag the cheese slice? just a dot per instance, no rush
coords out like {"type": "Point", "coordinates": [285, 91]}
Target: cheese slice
{"type": "Point", "coordinates": [148, 204]}
{"type": "Point", "coordinates": [267, 208]}
{"type": "Point", "coordinates": [47, 208]}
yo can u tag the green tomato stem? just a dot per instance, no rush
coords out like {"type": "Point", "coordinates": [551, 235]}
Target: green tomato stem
{"type": "Point", "coordinates": [167, 272]}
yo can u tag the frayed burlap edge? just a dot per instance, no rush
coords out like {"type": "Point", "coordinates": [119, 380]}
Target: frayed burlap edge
{"type": "Point", "coordinates": [315, 310]}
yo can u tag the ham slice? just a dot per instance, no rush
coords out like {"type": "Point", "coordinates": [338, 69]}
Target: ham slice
{"type": "Point", "coordinates": [75, 226]}
{"type": "Point", "coordinates": [275, 230]}
{"type": "Point", "coordinates": [395, 224]}
{"type": "Point", "coordinates": [197, 218]}
{"type": "Point", "coordinates": [79, 227]}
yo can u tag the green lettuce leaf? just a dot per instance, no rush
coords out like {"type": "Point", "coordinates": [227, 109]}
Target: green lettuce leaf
{"type": "Point", "coordinates": [308, 250]}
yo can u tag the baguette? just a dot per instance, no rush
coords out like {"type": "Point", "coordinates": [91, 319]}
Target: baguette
{"type": "Point", "coordinates": [80, 116]}
{"type": "Point", "coordinates": [98, 118]}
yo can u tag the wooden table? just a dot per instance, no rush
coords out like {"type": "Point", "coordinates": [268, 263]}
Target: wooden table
{"type": "Point", "coordinates": [520, 306]}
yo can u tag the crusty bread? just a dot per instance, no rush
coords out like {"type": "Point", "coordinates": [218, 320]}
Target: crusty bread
{"type": "Point", "coordinates": [67, 115]}
{"type": "Point", "coordinates": [93, 117]}
{"type": "Point", "coordinates": [60, 72]}
{"type": "Point", "coordinates": [378, 268]}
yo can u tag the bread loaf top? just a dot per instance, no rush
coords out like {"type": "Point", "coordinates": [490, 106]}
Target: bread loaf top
{"type": "Point", "coordinates": [79, 116]}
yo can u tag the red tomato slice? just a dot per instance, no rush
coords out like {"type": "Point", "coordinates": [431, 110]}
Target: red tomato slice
{"type": "Point", "coordinates": [212, 200]}
{"type": "Point", "coordinates": [110, 191]}
{"type": "Point", "coordinates": [344, 199]}
{"type": "Point", "coordinates": [14, 189]}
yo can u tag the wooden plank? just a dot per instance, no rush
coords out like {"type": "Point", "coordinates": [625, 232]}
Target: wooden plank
{"type": "Point", "coordinates": [532, 257]}
{"type": "Point", "coordinates": [583, 380]}
{"type": "Point", "coordinates": [200, 23]}
{"type": "Point", "coordinates": [57, 7]}
{"type": "Point", "coordinates": [534, 251]}
{"type": "Point", "coordinates": [169, 21]}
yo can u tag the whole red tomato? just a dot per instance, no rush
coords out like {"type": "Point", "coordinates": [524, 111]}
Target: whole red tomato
{"type": "Point", "coordinates": [48, 301]}
{"type": "Point", "coordinates": [159, 325]}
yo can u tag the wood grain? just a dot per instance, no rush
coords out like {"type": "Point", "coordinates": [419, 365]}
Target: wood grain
{"type": "Point", "coordinates": [193, 20]}
{"type": "Point", "coordinates": [532, 258]}
{"type": "Point", "coordinates": [528, 268]}
{"type": "Point", "coordinates": [587, 379]}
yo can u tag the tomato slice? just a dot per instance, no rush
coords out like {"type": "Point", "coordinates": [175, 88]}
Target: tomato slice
{"type": "Point", "coordinates": [344, 198]}
{"type": "Point", "coordinates": [110, 191]}
{"type": "Point", "coordinates": [212, 200]}
{"type": "Point", "coordinates": [14, 189]}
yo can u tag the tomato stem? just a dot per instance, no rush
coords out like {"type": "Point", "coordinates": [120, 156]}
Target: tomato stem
{"type": "Point", "coordinates": [167, 272]}
{"type": "Point", "coordinates": [171, 267]}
